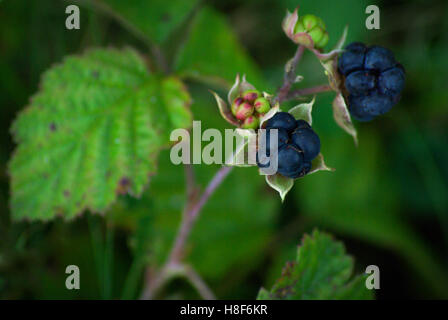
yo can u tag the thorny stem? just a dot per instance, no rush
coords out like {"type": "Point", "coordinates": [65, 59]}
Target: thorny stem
{"type": "Point", "coordinates": [189, 216]}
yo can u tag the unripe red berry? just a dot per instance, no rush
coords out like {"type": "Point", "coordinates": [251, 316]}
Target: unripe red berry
{"type": "Point", "coordinates": [244, 110]}
{"type": "Point", "coordinates": [251, 95]}
{"type": "Point", "coordinates": [236, 103]}
{"type": "Point", "coordinates": [251, 122]}
{"type": "Point", "coordinates": [262, 105]}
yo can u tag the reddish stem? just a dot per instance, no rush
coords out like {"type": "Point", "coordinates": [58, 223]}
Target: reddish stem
{"type": "Point", "coordinates": [290, 75]}
{"type": "Point", "coordinates": [189, 217]}
{"type": "Point", "coordinates": [307, 91]}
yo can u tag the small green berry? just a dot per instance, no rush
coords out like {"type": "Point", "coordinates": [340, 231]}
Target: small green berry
{"type": "Point", "coordinates": [262, 105]}
{"type": "Point", "coordinates": [299, 27]}
{"type": "Point", "coordinates": [321, 23]}
{"type": "Point", "coordinates": [251, 122]}
{"type": "Point", "coordinates": [314, 27]}
{"type": "Point", "coordinates": [316, 34]}
{"type": "Point", "coordinates": [323, 41]}
{"type": "Point", "coordinates": [310, 21]}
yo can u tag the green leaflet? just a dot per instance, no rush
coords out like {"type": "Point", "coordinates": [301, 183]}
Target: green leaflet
{"type": "Point", "coordinates": [92, 132]}
{"type": "Point", "coordinates": [322, 270]}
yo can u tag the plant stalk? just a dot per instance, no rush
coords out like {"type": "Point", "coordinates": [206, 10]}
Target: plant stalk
{"type": "Point", "coordinates": [189, 216]}
{"type": "Point", "coordinates": [290, 75]}
{"type": "Point", "coordinates": [295, 94]}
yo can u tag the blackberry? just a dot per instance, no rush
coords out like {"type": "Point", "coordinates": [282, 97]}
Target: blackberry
{"type": "Point", "coordinates": [353, 58]}
{"type": "Point", "coordinates": [282, 136]}
{"type": "Point", "coordinates": [373, 80]}
{"type": "Point", "coordinates": [290, 161]}
{"type": "Point", "coordinates": [298, 145]}
{"type": "Point", "coordinates": [308, 141]}
{"type": "Point", "coordinates": [282, 120]}
{"type": "Point", "coordinates": [360, 82]}
{"type": "Point", "coordinates": [391, 82]}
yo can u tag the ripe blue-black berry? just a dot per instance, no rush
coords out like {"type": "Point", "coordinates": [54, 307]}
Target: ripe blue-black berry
{"type": "Point", "coordinates": [372, 78]}
{"type": "Point", "coordinates": [300, 124]}
{"type": "Point", "coordinates": [290, 161]}
{"type": "Point", "coordinates": [365, 108]}
{"type": "Point", "coordinates": [282, 139]}
{"type": "Point", "coordinates": [281, 120]}
{"type": "Point", "coordinates": [307, 141]}
{"type": "Point", "coordinates": [391, 81]}
{"type": "Point", "coordinates": [360, 82]}
{"type": "Point", "coordinates": [352, 59]}
{"type": "Point", "coordinates": [379, 59]}
{"type": "Point", "coordinates": [298, 145]}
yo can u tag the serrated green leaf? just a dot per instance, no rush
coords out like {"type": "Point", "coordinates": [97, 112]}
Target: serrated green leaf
{"type": "Point", "coordinates": [92, 132]}
{"type": "Point", "coordinates": [155, 19]}
{"type": "Point", "coordinates": [212, 52]}
{"type": "Point", "coordinates": [322, 270]}
{"type": "Point", "coordinates": [355, 290]}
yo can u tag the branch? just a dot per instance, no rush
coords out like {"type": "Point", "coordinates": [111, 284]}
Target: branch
{"type": "Point", "coordinates": [199, 284]}
{"type": "Point", "coordinates": [290, 75]}
{"type": "Point", "coordinates": [189, 216]}
{"type": "Point", "coordinates": [295, 94]}
{"type": "Point", "coordinates": [190, 183]}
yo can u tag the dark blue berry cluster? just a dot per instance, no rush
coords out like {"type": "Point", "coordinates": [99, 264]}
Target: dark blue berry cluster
{"type": "Point", "coordinates": [298, 145]}
{"type": "Point", "coordinates": [373, 80]}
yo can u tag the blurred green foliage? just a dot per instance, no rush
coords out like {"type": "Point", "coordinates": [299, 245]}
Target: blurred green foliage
{"type": "Point", "coordinates": [387, 199]}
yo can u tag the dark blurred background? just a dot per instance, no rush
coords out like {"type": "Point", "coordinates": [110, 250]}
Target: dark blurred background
{"type": "Point", "coordinates": [387, 199]}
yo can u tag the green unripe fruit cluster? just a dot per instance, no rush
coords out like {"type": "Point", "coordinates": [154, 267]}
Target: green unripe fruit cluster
{"type": "Point", "coordinates": [314, 27]}
{"type": "Point", "coordinates": [249, 107]}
